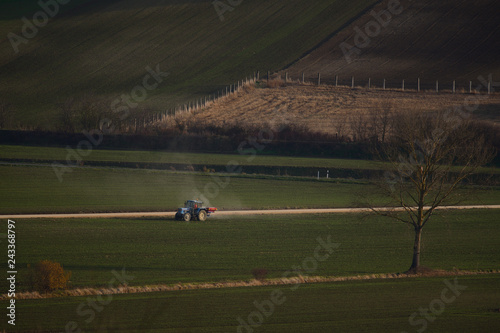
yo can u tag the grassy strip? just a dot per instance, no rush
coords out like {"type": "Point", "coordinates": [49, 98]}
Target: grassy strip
{"type": "Point", "coordinates": [353, 306]}
{"type": "Point", "coordinates": [159, 251]}
{"type": "Point", "coordinates": [125, 289]}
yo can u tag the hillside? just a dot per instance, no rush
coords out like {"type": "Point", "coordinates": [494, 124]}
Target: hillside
{"type": "Point", "coordinates": [433, 40]}
{"type": "Point", "coordinates": [330, 109]}
{"type": "Point", "coordinates": [102, 48]}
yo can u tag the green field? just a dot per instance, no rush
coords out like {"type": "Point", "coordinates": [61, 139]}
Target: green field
{"type": "Point", "coordinates": [159, 251]}
{"type": "Point", "coordinates": [32, 189]}
{"type": "Point", "coordinates": [37, 189]}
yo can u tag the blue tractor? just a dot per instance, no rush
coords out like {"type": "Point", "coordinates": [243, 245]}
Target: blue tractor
{"type": "Point", "coordinates": [194, 210]}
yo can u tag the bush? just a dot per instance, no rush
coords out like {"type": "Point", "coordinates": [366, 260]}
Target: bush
{"type": "Point", "coordinates": [276, 83]}
{"type": "Point", "coordinates": [48, 276]}
{"type": "Point", "coordinates": [259, 273]}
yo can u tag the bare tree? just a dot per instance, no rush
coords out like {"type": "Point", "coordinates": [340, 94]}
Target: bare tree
{"type": "Point", "coordinates": [358, 126]}
{"type": "Point", "coordinates": [431, 156]}
{"type": "Point", "coordinates": [381, 121]}
{"type": "Point", "coordinates": [66, 119]}
{"type": "Point", "coordinates": [5, 114]}
{"type": "Point", "coordinates": [340, 125]}
{"type": "Point", "coordinates": [84, 113]}
{"type": "Point", "coordinates": [91, 110]}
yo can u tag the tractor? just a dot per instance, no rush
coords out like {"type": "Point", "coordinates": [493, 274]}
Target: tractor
{"type": "Point", "coordinates": [194, 210]}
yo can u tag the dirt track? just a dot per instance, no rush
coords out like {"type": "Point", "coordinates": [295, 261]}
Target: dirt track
{"type": "Point", "coordinates": [230, 212]}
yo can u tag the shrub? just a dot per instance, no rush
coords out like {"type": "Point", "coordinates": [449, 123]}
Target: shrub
{"type": "Point", "coordinates": [259, 273]}
{"type": "Point", "coordinates": [276, 83]}
{"type": "Point", "coordinates": [48, 276]}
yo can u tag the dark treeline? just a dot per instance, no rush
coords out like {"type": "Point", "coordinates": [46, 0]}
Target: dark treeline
{"type": "Point", "coordinates": [286, 140]}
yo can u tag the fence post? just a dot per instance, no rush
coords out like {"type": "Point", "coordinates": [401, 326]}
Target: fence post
{"type": "Point", "coordinates": [369, 83]}
{"type": "Point", "coordinates": [403, 85]}
{"type": "Point", "coordinates": [319, 79]}
{"type": "Point", "coordinates": [303, 78]}
{"type": "Point", "coordinates": [352, 82]}
{"type": "Point", "coordinates": [286, 77]}
{"type": "Point", "coordinates": [454, 86]}
{"type": "Point", "coordinates": [437, 86]}
{"type": "Point", "coordinates": [383, 86]}
{"type": "Point", "coordinates": [418, 85]}
{"type": "Point", "coordinates": [489, 87]}
{"type": "Point", "coordinates": [470, 87]}
{"type": "Point", "coordinates": [336, 80]}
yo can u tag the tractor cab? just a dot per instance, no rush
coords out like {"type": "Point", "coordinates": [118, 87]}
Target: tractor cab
{"type": "Point", "coordinates": [193, 204]}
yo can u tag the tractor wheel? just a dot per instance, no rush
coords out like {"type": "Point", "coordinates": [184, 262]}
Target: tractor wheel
{"type": "Point", "coordinates": [202, 215]}
{"type": "Point", "coordinates": [187, 217]}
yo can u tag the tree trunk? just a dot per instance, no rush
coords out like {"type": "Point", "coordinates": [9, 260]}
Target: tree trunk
{"type": "Point", "coordinates": [416, 250]}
